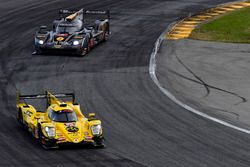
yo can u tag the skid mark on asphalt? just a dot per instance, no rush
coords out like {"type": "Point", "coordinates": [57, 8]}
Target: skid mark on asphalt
{"type": "Point", "coordinates": [184, 28]}
{"type": "Point", "coordinates": [196, 76]}
{"type": "Point", "coordinates": [207, 86]}
{"type": "Point", "coordinates": [195, 81]}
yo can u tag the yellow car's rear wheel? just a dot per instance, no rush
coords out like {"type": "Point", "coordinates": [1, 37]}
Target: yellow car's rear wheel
{"type": "Point", "coordinates": [20, 117]}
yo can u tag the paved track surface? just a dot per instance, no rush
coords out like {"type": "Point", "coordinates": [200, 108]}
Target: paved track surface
{"type": "Point", "coordinates": [142, 126]}
{"type": "Point", "coordinates": [209, 76]}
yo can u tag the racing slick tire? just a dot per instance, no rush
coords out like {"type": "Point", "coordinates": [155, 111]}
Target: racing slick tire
{"type": "Point", "coordinates": [98, 142]}
{"type": "Point", "coordinates": [20, 117]}
{"type": "Point", "coordinates": [105, 29]}
{"type": "Point", "coordinates": [85, 50]}
{"type": "Point", "coordinates": [105, 36]}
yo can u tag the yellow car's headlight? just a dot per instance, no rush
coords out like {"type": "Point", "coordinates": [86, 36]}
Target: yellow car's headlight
{"type": "Point", "coordinates": [51, 131]}
{"type": "Point", "coordinates": [96, 129]}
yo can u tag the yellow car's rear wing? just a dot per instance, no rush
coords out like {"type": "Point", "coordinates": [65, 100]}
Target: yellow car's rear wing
{"type": "Point", "coordinates": [49, 96]}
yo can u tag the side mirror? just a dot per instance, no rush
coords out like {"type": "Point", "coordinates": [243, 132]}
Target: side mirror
{"type": "Point", "coordinates": [43, 29]}
{"type": "Point", "coordinates": [91, 115]}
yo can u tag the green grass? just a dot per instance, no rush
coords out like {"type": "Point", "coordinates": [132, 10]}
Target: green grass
{"type": "Point", "coordinates": [232, 27]}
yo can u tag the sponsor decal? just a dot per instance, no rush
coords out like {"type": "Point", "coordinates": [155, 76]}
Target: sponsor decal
{"type": "Point", "coordinates": [88, 137]}
{"type": "Point", "coordinates": [64, 11]}
{"type": "Point", "coordinates": [67, 111]}
{"type": "Point", "coordinates": [70, 124]}
{"type": "Point", "coordinates": [71, 127]}
{"type": "Point", "coordinates": [40, 36]}
{"type": "Point", "coordinates": [61, 139]}
{"type": "Point", "coordinates": [57, 46]}
{"type": "Point", "coordinates": [62, 35]}
{"type": "Point", "coordinates": [78, 37]}
{"type": "Point", "coordinates": [95, 12]}
{"type": "Point", "coordinates": [66, 25]}
{"type": "Point", "coordinates": [60, 38]}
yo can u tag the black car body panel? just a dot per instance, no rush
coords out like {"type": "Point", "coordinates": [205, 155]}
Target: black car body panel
{"type": "Point", "coordinates": [74, 31]}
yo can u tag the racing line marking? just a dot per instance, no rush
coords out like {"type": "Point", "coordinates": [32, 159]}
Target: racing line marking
{"type": "Point", "coordinates": [152, 72]}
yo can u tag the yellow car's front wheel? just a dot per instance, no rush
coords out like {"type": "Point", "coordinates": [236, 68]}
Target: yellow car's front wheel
{"type": "Point", "coordinates": [45, 142]}
{"type": "Point", "coordinates": [99, 142]}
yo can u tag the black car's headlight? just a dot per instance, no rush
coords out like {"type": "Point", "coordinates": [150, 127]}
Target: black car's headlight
{"type": "Point", "coordinates": [41, 42]}
{"type": "Point", "coordinates": [76, 42]}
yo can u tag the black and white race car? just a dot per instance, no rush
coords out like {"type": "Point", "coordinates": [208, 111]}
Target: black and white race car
{"type": "Point", "coordinates": [76, 31]}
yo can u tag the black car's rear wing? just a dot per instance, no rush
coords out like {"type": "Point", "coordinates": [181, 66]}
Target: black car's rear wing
{"type": "Point", "coordinates": [91, 16]}
{"type": "Point", "coordinates": [97, 12]}
{"type": "Point", "coordinates": [63, 13]}
{"type": "Point", "coordinates": [47, 96]}
{"type": "Point", "coordinates": [66, 11]}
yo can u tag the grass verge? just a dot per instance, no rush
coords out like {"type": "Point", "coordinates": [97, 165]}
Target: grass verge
{"type": "Point", "coordinates": [232, 27]}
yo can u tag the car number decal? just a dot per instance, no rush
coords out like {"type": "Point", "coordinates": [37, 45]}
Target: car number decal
{"type": "Point", "coordinates": [70, 127]}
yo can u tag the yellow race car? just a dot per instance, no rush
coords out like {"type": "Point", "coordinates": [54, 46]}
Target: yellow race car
{"type": "Point", "coordinates": [62, 122]}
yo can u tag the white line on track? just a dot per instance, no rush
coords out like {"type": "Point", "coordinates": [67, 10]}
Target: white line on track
{"type": "Point", "coordinates": [152, 69]}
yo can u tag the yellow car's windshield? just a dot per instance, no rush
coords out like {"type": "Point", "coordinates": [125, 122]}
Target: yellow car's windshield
{"type": "Point", "coordinates": [63, 116]}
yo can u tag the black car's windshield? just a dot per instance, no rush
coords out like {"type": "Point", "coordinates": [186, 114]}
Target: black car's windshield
{"type": "Point", "coordinates": [63, 116]}
{"type": "Point", "coordinates": [67, 29]}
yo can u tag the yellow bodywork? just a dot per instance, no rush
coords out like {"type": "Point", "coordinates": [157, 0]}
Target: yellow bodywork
{"type": "Point", "coordinates": [65, 132]}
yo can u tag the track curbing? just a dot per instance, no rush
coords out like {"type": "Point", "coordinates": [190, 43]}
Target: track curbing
{"type": "Point", "coordinates": [193, 21]}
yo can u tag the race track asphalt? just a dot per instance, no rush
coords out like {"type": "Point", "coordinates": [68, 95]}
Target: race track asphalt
{"type": "Point", "coordinates": [142, 126]}
{"type": "Point", "coordinates": [222, 90]}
